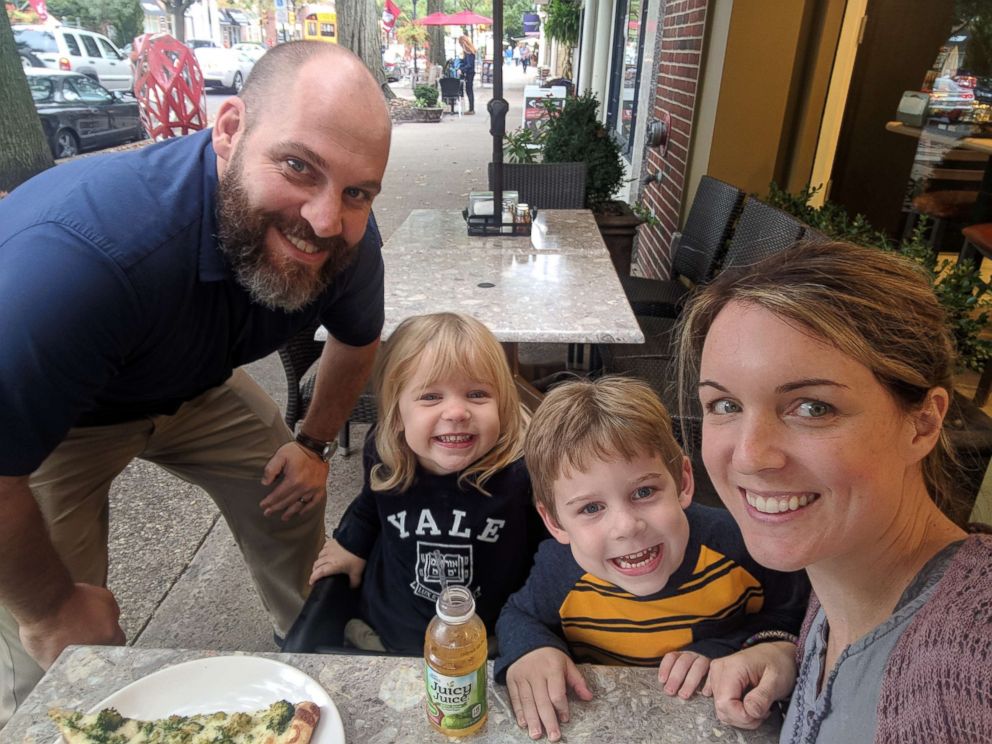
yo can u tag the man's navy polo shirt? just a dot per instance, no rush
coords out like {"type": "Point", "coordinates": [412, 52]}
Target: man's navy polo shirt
{"type": "Point", "coordinates": [116, 304]}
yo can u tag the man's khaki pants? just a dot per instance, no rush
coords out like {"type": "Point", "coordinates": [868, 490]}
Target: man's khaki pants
{"type": "Point", "coordinates": [221, 442]}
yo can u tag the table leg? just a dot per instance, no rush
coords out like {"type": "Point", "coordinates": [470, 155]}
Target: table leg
{"type": "Point", "coordinates": [530, 396]}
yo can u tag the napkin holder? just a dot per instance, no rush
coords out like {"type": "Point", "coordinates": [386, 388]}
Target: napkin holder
{"type": "Point", "coordinates": [480, 219]}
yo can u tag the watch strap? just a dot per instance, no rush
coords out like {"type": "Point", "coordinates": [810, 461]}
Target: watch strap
{"type": "Point", "coordinates": [323, 450]}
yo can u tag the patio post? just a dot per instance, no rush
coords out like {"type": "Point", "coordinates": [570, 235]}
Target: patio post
{"type": "Point", "coordinates": [497, 108]}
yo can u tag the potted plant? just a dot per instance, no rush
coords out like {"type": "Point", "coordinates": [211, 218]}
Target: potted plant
{"type": "Point", "coordinates": [424, 108]}
{"type": "Point", "coordinates": [574, 133]}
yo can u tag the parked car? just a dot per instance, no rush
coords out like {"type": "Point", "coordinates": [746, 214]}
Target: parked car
{"type": "Point", "coordinates": [77, 113]}
{"type": "Point", "coordinates": [76, 50]}
{"type": "Point", "coordinates": [252, 48]}
{"type": "Point", "coordinates": [223, 68]}
{"type": "Point", "coordinates": [950, 98]}
{"type": "Point", "coordinates": [201, 43]}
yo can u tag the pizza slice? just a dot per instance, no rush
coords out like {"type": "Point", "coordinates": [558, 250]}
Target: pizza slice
{"type": "Point", "coordinates": [280, 723]}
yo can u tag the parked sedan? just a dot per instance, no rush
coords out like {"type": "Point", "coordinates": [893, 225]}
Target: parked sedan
{"type": "Point", "coordinates": [77, 113]}
{"type": "Point", "coordinates": [252, 48]}
{"type": "Point", "coordinates": [225, 68]}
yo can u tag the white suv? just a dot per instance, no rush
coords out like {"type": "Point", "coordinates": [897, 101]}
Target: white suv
{"type": "Point", "coordinates": [78, 50]}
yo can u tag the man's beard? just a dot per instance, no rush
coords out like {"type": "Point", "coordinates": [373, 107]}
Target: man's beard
{"type": "Point", "coordinates": [275, 281]}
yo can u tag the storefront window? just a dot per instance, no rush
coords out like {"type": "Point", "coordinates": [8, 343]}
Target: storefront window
{"type": "Point", "coordinates": [625, 76]}
{"type": "Point", "coordinates": [958, 90]}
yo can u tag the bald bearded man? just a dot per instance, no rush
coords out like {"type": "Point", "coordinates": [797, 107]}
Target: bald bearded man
{"type": "Point", "coordinates": [132, 287]}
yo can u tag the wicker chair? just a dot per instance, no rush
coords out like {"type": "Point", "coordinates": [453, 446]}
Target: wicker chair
{"type": "Point", "coordinates": [298, 358]}
{"type": "Point", "coordinates": [761, 231]}
{"type": "Point", "coordinates": [546, 185]}
{"type": "Point", "coordinates": [696, 249]}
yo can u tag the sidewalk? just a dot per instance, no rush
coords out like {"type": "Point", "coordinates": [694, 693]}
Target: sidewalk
{"type": "Point", "coordinates": [174, 567]}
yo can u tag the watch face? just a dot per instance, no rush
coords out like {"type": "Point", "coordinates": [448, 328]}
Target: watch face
{"type": "Point", "coordinates": [325, 454]}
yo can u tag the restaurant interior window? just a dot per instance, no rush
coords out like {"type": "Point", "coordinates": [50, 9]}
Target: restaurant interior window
{"type": "Point", "coordinates": [958, 89]}
{"type": "Point", "coordinates": [625, 75]}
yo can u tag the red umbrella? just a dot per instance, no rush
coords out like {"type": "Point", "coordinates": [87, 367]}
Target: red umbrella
{"type": "Point", "coordinates": [462, 18]}
{"type": "Point", "coordinates": [434, 19]}
{"type": "Point", "coordinates": [468, 18]}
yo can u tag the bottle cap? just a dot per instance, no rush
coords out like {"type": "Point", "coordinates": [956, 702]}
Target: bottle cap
{"type": "Point", "coordinates": [455, 605]}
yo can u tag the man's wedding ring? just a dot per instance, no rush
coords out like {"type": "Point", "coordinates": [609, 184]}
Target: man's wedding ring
{"type": "Point", "coordinates": [304, 499]}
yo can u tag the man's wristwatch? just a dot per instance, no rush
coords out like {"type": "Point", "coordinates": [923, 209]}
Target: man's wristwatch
{"type": "Point", "coordinates": [323, 450]}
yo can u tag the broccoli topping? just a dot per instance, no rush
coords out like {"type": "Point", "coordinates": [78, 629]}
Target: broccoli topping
{"type": "Point", "coordinates": [279, 715]}
{"type": "Point", "coordinates": [108, 720]}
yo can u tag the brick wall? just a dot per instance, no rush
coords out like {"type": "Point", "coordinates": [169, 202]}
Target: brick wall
{"type": "Point", "coordinates": [676, 68]}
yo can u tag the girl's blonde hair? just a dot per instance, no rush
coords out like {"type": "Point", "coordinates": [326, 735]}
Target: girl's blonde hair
{"type": "Point", "coordinates": [876, 307]}
{"type": "Point", "coordinates": [452, 344]}
{"type": "Point", "coordinates": [467, 44]}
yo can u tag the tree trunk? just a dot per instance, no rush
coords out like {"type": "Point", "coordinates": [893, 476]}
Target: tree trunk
{"type": "Point", "coordinates": [358, 30]}
{"type": "Point", "coordinates": [179, 22]}
{"type": "Point", "coordinates": [436, 34]}
{"type": "Point", "coordinates": [24, 151]}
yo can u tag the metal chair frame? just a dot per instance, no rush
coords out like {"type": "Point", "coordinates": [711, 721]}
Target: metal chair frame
{"type": "Point", "coordinates": [452, 90]}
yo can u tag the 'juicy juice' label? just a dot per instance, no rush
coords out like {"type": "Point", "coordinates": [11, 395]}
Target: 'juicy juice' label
{"type": "Point", "coordinates": [455, 702]}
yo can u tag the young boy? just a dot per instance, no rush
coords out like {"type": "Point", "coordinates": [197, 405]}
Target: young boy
{"type": "Point", "coordinates": [638, 575]}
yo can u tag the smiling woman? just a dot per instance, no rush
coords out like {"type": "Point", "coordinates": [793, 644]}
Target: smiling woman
{"type": "Point", "coordinates": [825, 375]}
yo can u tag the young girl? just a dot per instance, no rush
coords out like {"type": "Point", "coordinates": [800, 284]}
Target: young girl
{"type": "Point", "coordinates": [447, 499]}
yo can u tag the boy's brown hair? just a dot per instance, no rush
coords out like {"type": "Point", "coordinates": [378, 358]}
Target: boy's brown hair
{"type": "Point", "coordinates": [604, 419]}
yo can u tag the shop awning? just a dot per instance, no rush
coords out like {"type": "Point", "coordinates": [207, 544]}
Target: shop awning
{"type": "Point", "coordinates": [152, 9]}
{"type": "Point", "coordinates": [239, 17]}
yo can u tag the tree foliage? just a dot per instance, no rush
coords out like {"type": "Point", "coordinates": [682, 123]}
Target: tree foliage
{"type": "Point", "coordinates": [121, 20]}
{"type": "Point", "coordinates": [562, 23]}
{"type": "Point", "coordinates": [513, 18]}
{"type": "Point", "coordinates": [23, 149]}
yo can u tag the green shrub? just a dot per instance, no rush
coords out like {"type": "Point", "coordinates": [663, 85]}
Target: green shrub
{"type": "Point", "coordinates": [574, 133]}
{"type": "Point", "coordinates": [426, 96]}
{"type": "Point", "coordinates": [523, 145]}
{"type": "Point", "coordinates": [958, 285]}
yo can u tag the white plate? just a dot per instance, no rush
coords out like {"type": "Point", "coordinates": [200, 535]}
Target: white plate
{"type": "Point", "coordinates": [224, 683]}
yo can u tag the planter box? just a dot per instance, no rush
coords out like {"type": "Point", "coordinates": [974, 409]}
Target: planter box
{"type": "Point", "coordinates": [618, 226]}
{"type": "Point", "coordinates": [416, 114]}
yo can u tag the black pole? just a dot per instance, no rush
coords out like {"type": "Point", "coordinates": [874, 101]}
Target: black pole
{"type": "Point", "coordinates": [414, 84]}
{"type": "Point", "coordinates": [497, 113]}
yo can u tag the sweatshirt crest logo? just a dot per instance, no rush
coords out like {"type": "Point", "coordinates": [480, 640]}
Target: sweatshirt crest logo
{"type": "Point", "coordinates": [435, 561]}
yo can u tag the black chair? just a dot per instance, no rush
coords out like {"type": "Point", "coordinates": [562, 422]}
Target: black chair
{"type": "Point", "coordinates": [761, 231]}
{"type": "Point", "coordinates": [298, 358]}
{"type": "Point", "coordinates": [320, 625]}
{"type": "Point", "coordinates": [546, 185]}
{"type": "Point", "coordinates": [451, 92]}
{"type": "Point", "coordinates": [695, 251]}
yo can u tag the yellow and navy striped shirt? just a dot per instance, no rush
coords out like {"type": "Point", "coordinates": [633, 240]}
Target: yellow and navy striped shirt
{"type": "Point", "coordinates": [718, 597]}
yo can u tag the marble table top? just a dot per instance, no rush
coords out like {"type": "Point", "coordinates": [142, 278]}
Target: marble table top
{"type": "Point", "coordinates": [556, 286]}
{"type": "Point", "coordinates": [381, 699]}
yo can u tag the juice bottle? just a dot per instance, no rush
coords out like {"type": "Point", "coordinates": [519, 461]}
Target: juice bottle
{"type": "Point", "coordinates": [455, 652]}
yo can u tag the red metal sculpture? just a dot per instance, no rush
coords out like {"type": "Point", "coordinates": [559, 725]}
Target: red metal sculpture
{"type": "Point", "coordinates": [168, 84]}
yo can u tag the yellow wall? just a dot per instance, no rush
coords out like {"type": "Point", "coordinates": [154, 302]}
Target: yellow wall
{"type": "Point", "coordinates": [753, 123]}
